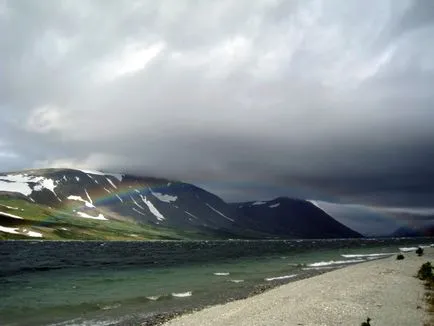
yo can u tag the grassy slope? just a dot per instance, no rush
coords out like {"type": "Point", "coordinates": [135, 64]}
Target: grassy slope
{"type": "Point", "coordinates": [50, 222]}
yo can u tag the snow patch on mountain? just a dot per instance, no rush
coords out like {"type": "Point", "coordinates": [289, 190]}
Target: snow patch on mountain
{"type": "Point", "coordinates": [164, 198]}
{"type": "Point", "coordinates": [257, 203]}
{"type": "Point", "coordinates": [136, 203]}
{"type": "Point", "coordinates": [274, 205]}
{"type": "Point", "coordinates": [112, 183]}
{"type": "Point", "coordinates": [192, 215]}
{"type": "Point", "coordinates": [78, 198]}
{"type": "Point", "coordinates": [99, 217]}
{"type": "Point", "coordinates": [25, 232]}
{"type": "Point", "coordinates": [20, 183]}
{"type": "Point", "coordinates": [153, 209]}
{"type": "Point", "coordinates": [220, 213]}
{"type": "Point", "coordinates": [88, 197]}
{"type": "Point", "coordinates": [11, 215]}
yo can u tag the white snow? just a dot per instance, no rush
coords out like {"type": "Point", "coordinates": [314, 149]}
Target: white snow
{"type": "Point", "coordinates": [77, 179]}
{"type": "Point", "coordinates": [32, 234]}
{"type": "Point", "coordinates": [274, 205]}
{"type": "Point", "coordinates": [9, 230]}
{"type": "Point", "coordinates": [11, 215]}
{"type": "Point", "coordinates": [119, 198]}
{"type": "Point", "coordinates": [9, 207]}
{"type": "Point", "coordinates": [20, 183]}
{"type": "Point", "coordinates": [256, 203]}
{"type": "Point", "coordinates": [78, 198]}
{"type": "Point", "coordinates": [23, 232]}
{"type": "Point", "coordinates": [13, 186]}
{"type": "Point", "coordinates": [135, 203]}
{"type": "Point", "coordinates": [64, 229]}
{"type": "Point", "coordinates": [191, 215]}
{"type": "Point", "coordinates": [99, 217]}
{"type": "Point", "coordinates": [137, 190]}
{"type": "Point", "coordinates": [220, 213]}
{"type": "Point", "coordinates": [112, 183]}
{"type": "Point", "coordinates": [107, 190]}
{"type": "Point", "coordinates": [88, 197]}
{"type": "Point", "coordinates": [64, 178]}
{"type": "Point", "coordinates": [164, 198]}
{"type": "Point", "coordinates": [153, 209]}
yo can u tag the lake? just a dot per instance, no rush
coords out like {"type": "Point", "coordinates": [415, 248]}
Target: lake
{"type": "Point", "coordinates": [131, 283]}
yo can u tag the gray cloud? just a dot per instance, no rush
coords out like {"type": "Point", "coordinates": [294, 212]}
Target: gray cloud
{"type": "Point", "coordinates": [317, 99]}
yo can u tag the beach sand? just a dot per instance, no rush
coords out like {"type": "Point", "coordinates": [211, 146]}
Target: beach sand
{"type": "Point", "coordinates": [385, 290]}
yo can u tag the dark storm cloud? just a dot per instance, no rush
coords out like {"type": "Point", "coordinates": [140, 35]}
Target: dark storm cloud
{"type": "Point", "coordinates": [252, 99]}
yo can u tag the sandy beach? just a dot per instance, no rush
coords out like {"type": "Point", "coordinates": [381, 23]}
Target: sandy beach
{"type": "Point", "coordinates": [384, 290]}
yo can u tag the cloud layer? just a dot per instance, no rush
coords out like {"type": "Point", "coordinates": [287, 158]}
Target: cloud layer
{"type": "Point", "coordinates": [327, 100]}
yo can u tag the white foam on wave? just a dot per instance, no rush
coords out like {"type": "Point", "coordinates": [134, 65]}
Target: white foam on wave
{"type": "Point", "coordinates": [335, 262]}
{"type": "Point", "coordinates": [284, 277]}
{"type": "Point", "coordinates": [408, 249]}
{"type": "Point", "coordinates": [221, 274]}
{"type": "Point", "coordinates": [237, 281]}
{"type": "Point", "coordinates": [153, 297]}
{"type": "Point", "coordinates": [368, 255]}
{"type": "Point", "coordinates": [182, 295]}
{"type": "Point", "coordinates": [319, 268]}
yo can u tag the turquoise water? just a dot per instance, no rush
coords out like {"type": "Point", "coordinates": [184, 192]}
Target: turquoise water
{"type": "Point", "coordinates": [126, 283]}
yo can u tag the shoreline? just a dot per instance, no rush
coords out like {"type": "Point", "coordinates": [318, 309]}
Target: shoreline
{"type": "Point", "coordinates": [164, 317]}
{"type": "Point", "coordinates": [386, 290]}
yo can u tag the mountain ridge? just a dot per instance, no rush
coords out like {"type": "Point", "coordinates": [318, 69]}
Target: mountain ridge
{"type": "Point", "coordinates": [85, 204]}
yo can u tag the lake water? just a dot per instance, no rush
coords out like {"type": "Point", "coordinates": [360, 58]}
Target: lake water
{"type": "Point", "coordinates": [129, 283]}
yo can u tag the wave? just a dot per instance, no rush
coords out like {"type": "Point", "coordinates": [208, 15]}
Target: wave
{"type": "Point", "coordinates": [335, 262]}
{"type": "Point", "coordinates": [222, 274]}
{"type": "Point", "coordinates": [319, 268]}
{"type": "Point", "coordinates": [182, 295]}
{"type": "Point", "coordinates": [284, 277]}
{"type": "Point", "coordinates": [368, 255]}
{"type": "Point", "coordinates": [408, 249]}
{"type": "Point", "coordinates": [237, 281]}
{"type": "Point", "coordinates": [110, 307]}
{"type": "Point", "coordinates": [153, 297]}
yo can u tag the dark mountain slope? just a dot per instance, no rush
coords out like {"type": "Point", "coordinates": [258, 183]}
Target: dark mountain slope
{"type": "Point", "coordinates": [295, 218]}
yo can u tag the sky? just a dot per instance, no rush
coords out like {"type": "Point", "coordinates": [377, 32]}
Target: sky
{"type": "Point", "coordinates": [325, 100]}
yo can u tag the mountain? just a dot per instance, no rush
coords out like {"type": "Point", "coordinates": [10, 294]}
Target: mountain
{"type": "Point", "coordinates": [295, 218]}
{"type": "Point", "coordinates": [81, 204]}
{"type": "Point", "coordinates": [406, 231]}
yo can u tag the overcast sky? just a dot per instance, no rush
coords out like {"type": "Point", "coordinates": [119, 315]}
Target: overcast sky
{"type": "Point", "coordinates": [328, 100]}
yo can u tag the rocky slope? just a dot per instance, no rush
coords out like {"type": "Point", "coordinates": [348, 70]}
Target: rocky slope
{"type": "Point", "coordinates": [80, 204]}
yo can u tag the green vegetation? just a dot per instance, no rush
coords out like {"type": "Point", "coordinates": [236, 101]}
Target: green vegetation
{"type": "Point", "coordinates": [400, 257]}
{"type": "Point", "coordinates": [425, 273]}
{"type": "Point", "coordinates": [56, 224]}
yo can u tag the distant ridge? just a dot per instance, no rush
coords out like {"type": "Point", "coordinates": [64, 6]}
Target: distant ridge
{"type": "Point", "coordinates": [82, 204]}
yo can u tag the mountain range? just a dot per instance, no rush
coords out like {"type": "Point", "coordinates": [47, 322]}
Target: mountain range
{"type": "Point", "coordinates": [82, 204]}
